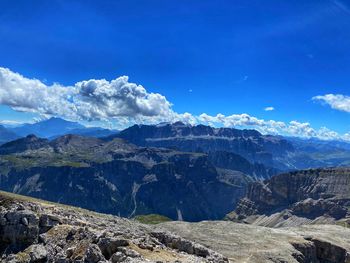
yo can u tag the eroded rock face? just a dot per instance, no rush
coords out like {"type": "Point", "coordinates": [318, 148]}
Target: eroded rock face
{"type": "Point", "coordinates": [294, 198]}
{"type": "Point", "coordinates": [34, 232]}
{"type": "Point", "coordinates": [318, 250]}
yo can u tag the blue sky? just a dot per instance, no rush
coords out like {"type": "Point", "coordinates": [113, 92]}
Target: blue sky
{"type": "Point", "coordinates": [228, 57]}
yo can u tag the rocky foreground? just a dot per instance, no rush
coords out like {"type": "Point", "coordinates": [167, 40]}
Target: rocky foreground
{"type": "Point", "coordinates": [256, 244]}
{"type": "Point", "coordinates": [36, 231]}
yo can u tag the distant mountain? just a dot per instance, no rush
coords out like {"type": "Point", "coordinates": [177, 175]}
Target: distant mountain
{"type": "Point", "coordinates": [296, 198]}
{"type": "Point", "coordinates": [314, 153]}
{"type": "Point", "coordinates": [250, 144]}
{"type": "Point", "coordinates": [285, 154]}
{"type": "Point", "coordinates": [31, 142]}
{"type": "Point", "coordinates": [6, 135]}
{"type": "Point", "coordinates": [54, 127]}
{"type": "Point", "coordinates": [47, 128]}
{"type": "Point", "coordinates": [94, 132]}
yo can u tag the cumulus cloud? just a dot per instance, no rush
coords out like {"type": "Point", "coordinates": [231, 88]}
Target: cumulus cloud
{"type": "Point", "coordinates": [86, 100]}
{"type": "Point", "coordinates": [269, 108]}
{"type": "Point", "coordinates": [336, 101]}
{"type": "Point", "coordinates": [126, 103]}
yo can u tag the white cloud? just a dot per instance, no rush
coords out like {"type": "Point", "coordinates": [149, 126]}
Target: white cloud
{"type": "Point", "coordinates": [293, 128]}
{"type": "Point", "coordinates": [86, 100]}
{"type": "Point", "coordinates": [336, 101]}
{"type": "Point", "coordinates": [125, 103]}
{"type": "Point", "coordinates": [269, 108]}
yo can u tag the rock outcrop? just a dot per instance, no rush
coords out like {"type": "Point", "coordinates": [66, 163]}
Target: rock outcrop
{"type": "Point", "coordinates": [33, 231]}
{"type": "Point", "coordinates": [302, 197]}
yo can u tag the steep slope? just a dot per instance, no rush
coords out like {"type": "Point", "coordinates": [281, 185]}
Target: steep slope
{"type": "Point", "coordinates": [232, 161]}
{"type": "Point", "coordinates": [6, 135]}
{"type": "Point", "coordinates": [302, 197]}
{"type": "Point", "coordinates": [120, 178]}
{"type": "Point", "coordinates": [33, 231]}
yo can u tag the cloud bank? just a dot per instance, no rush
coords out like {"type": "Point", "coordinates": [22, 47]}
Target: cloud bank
{"type": "Point", "coordinates": [125, 103]}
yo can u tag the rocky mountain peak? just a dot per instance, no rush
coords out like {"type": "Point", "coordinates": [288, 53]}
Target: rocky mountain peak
{"type": "Point", "coordinates": [72, 142]}
{"type": "Point", "coordinates": [30, 142]}
{"type": "Point", "coordinates": [32, 137]}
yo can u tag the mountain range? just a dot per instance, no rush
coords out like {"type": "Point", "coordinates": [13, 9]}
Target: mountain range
{"type": "Point", "coordinates": [279, 152]}
{"type": "Point", "coordinates": [120, 178]}
{"type": "Point", "coordinates": [181, 171]}
{"type": "Point", "coordinates": [51, 128]}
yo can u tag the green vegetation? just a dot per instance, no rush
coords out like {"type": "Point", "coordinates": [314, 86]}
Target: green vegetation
{"type": "Point", "coordinates": [152, 219]}
{"type": "Point", "coordinates": [21, 162]}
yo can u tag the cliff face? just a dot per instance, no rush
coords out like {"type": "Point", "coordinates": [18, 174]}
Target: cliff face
{"type": "Point", "coordinates": [314, 195]}
{"type": "Point", "coordinates": [250, 144]}
{"type": "Point", "coordinates": [232, 161]}
{"type": "Point", "coordinates": [273, 151]}
{"type": "Point", "coordinates": [120, 178]}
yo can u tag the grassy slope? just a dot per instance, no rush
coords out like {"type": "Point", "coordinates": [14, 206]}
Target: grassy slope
{"type": "Point", "coordinates": [152, 219]}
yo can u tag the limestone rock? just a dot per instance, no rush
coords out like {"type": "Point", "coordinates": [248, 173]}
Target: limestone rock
{"type": "Point", "coordinates": [252, 244]}
{"type": "Point", "coordinates": [93, 254]}
{"type": "Point", "coordinates": [33, 231]}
